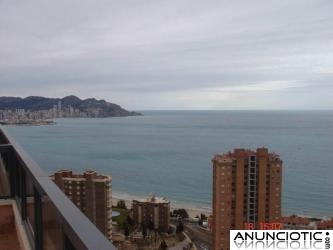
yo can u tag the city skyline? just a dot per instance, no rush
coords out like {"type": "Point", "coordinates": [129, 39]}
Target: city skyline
{"type": "Point", "coordinates": [171, 55]}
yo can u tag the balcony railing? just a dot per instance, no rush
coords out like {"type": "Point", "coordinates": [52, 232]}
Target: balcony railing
{"type": "Point", "coordinates": [50, 220]}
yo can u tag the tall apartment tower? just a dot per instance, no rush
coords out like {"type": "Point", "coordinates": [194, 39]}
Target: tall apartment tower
{"type": "Point", "coordinates": [91, 193]}
{"type": "Point", "coordinates": [246, 191]}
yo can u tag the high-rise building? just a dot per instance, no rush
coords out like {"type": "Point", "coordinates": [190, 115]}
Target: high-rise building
{"type": "Point", "coordinates": [246, 192]}
{"type": "Point", "coordinates": [154, 211]}
{"type": "Point", "coordinates": [54, 111]}
{"type": "Point", "coordinates": [59, 105]}
{"type": "Point", "coordinates": [59, 113]}
{"type": "Point", "coordinates": [91, 193]}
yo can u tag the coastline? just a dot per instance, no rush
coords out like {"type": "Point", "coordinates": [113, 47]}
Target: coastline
{"type": "Point", "coordinates": [28, 122]}
{"type": "Point", "coordinates": [191, 210]}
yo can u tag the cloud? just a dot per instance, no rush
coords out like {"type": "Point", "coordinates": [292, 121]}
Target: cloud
{"type": "Point", "coordinates": [264, 86]}
{"type": "Point", "coordinates": [165, 54]}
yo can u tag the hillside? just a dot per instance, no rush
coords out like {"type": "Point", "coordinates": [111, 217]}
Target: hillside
{"type": "Point", "coordinates": [91, 106]}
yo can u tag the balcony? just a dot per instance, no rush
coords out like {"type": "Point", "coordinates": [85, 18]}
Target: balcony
{"type": "Point", "coordinates": [34, 212]}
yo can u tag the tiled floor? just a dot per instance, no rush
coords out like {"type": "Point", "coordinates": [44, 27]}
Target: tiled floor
{"type": "Point", "coordinates": [8, 235]}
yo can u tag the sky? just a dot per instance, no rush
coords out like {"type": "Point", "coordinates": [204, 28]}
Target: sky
{"type": "Point", "coordinates": [174, 54]}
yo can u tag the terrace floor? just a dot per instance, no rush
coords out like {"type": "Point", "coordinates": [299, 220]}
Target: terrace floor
{"type": "Point", "coordinates": [8, 234]}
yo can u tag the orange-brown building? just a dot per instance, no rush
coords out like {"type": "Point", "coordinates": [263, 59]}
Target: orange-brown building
{"type": "Point", "coordinates": [91, 193]}
{"type": "Point", "coordinates": [294, 222]}
{"type": "Point", "coordinates": [246, 192]}
{"type": "Point", "coordinates": [325, 224]}
{"type": "Point", "coordinates": [153, 210]}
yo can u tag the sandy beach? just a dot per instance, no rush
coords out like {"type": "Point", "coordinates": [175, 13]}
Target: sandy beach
{"type": "Point", "coordinates": [192, 212]}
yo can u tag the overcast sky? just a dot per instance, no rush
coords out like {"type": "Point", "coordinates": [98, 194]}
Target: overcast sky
{"type": "Point", "coordinates": [171, 54]}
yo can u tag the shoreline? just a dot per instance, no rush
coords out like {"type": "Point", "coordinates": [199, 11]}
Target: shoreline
{"type": "Point", "coordinates": [191, 209]}
{"type": "Point", "coordinates": [28, 123]}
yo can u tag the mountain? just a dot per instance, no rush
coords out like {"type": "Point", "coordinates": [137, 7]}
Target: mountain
{"type": "Point", "coordinates": [92, 106]}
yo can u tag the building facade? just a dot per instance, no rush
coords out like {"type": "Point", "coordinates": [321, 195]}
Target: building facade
{"type": "Point", "coordinates": [246, 192]}
{"type": "Point", "coordinates": [91, 193]}
{"type": "Point", "coordinates": [295, 222]}
{"type": "Point", "coordinates": [153, 211]}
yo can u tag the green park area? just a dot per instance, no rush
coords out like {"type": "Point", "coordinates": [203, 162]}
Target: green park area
{"type": "Point", "coordinates": [122, 217]}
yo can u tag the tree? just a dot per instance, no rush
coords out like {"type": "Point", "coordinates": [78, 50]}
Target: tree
{"type": "Point", "coordinates": [163, 245]}
{"type": "Point", "coordinates": [151, 225]}
{"type": "Point", "coordinates": [129, 220]}
{"type": "Point", "coordinates": [121, 204]}
{"type": "Point", "coordinates": [144, 230]}
{"type": "Point", "coordinates": [179, 227]}
{"type": "Point", "coordinates": [181, 213]}
{"type": "Point", "coordinates": [203, 217]}
{"type": "Point", "coordinates": [126, 231]}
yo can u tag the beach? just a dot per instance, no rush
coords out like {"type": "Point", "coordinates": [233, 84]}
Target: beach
{"type": "Point", "coordinates": [192, 212]}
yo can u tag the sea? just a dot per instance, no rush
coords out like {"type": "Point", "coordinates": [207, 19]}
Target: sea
{"type": "Point", "coordinates": [168, 153]}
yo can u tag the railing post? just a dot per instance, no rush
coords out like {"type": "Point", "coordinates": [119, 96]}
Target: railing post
{"type": "Point", "coordinates": [23, 192]}
{"type": "Point", "coordinates": [12, 173]}
{"type": "Point", "coordinates": [38, 221]}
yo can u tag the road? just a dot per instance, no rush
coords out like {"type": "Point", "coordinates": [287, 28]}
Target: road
{"type": "Point", "coordinates": [200, 237]}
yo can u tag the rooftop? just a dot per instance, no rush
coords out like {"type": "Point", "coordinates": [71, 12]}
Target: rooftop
{"type": "Point", "coordinates": [153, 199]}
{"type": "Point", "coordinates": [228, 157]}
{"type": "Point", "coordinates": [89, 174]}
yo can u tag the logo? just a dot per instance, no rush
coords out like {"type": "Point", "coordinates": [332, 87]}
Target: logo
{"type": "Point", "coordinates": [280, 239]}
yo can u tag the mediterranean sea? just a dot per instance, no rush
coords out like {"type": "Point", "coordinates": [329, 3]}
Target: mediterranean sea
{"type": "Point", "coordinates": [169, 152]}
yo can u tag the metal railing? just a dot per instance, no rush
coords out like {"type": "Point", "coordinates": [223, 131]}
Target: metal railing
{"type": "Point", "coordinates": [50, 219]}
